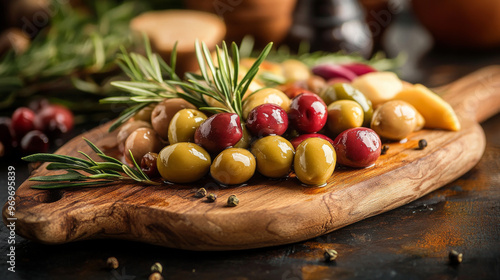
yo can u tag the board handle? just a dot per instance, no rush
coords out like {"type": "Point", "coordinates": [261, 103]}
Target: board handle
{"type": "Point", "coordinates": [475, 96]}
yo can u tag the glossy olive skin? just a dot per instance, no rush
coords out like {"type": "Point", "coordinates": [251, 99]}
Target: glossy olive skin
{"type": "Point", "coordinates": [314, 161]}
{"type": "Point", "coordinates": [246, 139]}
{"type": "Point", "coordinates": [263, 96]}
{"type": "Point", "coordinates": [163, 113]}
{"type": "Point", "coordinates": [267, 119]}
{"type": "Point", "coordinates": [344, 114]}
{"type": "Point", "coordinates": [218, 132]}
{"type": "Point", "coordinates": [274, 156]}
{"type": "Point", "coordinates": [149, 165]}
{"type": "Point", "coordinates": [299, 139]}
{"type": "Point", "coordinates": [233, 166]}
{"type": "Point", "coordinates": [345, 91]}
{"type": "Point", "coordinates": [127, 129]}
{"type": "Point", "coordinates": [184, 124]}
{"type": "Point", "coordinates": [308, 113]}
{"type": "Point", "coordinates": [357, 147]}
{"type": "Point", "coordinates": [140, 142]}
{"type": "Point", "coordinates": [183, 162]}
{"type": "Point", "coordinates": [23, 121]}
{"type": "Point", "coordinates": [144, 114]}
{"type": "Point", "coordinates": [395, 120]}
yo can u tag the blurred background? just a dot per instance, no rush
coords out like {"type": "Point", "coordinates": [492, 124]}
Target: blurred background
{"type": "Point", "coordinates": [63, 51]}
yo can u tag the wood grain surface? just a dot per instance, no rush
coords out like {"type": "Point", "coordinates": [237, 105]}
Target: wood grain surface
{"type": "Point", "coordinates": [270, 212]}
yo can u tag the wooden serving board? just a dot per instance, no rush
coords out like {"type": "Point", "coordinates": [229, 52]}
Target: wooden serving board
{"type": "Point", "coordinates": [271, 212]}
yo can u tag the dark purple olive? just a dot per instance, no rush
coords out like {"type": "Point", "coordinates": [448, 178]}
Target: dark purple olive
{"type": "Point", "coordinates": [148, 164]}
{"type": "Point", "coordinates": [267, 119]}
{"type": "Point", "coordinates": [308, 113]}
{"type": "Point", "coordinates": [219, 132]}
{"type": "Point", "coordinates": [23, 121]}
{"type": "Point", "coordinates": [34, 142]}
{"type": "Point", "coordinates": [359, 68]}
{"type": "Point", "coordinates": [330, 71]}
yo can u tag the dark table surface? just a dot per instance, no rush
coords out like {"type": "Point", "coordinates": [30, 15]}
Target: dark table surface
{"type": "Point", "coordinates": [410, 242]}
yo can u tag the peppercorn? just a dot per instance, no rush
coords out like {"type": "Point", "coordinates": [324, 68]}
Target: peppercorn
{"type": "Point", "coordinates": [422, 143]}
{"type": "Point", "coordinates": [200, 193]}
{"type": "Point", "coordinates": [157, 267]}
{"type": "Point", "coordinates": [232, 201]}
{"type": "Point", "coordinates": [330, 255]}
{"type": "Point", "coordinates": [455, 257]}
{"type": "Point", "coordinates": [112, 263]}
{"type": "Point", "coordinates": [384, 150]}
{"type": "Point", "coordinates": [211, 197]}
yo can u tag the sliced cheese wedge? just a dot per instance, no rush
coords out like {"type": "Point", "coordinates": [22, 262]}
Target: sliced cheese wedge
{"type": "Point", "coordinates": [436, 112]}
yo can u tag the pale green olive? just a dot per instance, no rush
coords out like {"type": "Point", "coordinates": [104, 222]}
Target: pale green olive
{"type": "Point", "coordinates": [274, 156]}
{"type": "Point", "coordinates": [183, 162]}
{"type": "Point", "coordinates": [344, 114]}
{"type": "Point", "coordinates": [295, 70]}
{"type": "Point", "coordinates": [396, 119]}
{"type": "Point", "coordinates": [314, 161]}
{"type": "Point", "coordinates": [163, 113]}
{"type": "Point", "coordinates": [140, 142]}
{"type": "Point", "coordinates": [184, 124]}
{"type": "Point", "coordinates": [233, 166]}
{"type": "Point", "coordinates": [266, 95]}
{"type": "Point", "coordinates": [246, 138]}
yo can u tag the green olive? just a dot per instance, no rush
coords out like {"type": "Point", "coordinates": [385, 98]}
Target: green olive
{"type": "Point", "coordinates": [184, 124]}
{"type": "Point", "coordinates": [344, 114]}
{"type": "Point", "coordinates": [266, 95]}
{"type": "Point", "coordinates": [245, 140]}
{"type": "Point", "coordinates": [274, 156]}
{"type": "Point", "coordinates": [233, 166]}
{"type": "Point", "coordinates": [183, 162]}
{"type": "Point", "coordinates": [396, 119]}
{"type": "Point", "coordinates": [314, 161]}
{"type": "Point", "coordinates": [164, 112]}
{"type": "Point", "coordinates": [140, 142]}
{"type": "Point", "coordinates": [344, 91]}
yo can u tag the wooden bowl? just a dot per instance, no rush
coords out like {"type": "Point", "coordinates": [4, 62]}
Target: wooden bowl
{"type": "Point", "coordinates": [461, 23]}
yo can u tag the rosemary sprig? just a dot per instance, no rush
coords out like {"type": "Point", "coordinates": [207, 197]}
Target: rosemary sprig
{"type": "Point", "coordinates": [152, 80]}
{"type": "Point", "coordinates": [220, 82]}
{"type": "Point", "coordinates": [98, 173]}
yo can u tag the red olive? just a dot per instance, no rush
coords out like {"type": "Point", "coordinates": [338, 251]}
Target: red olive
{"type": "Point", "coordinates": [23, 121]}
{"type": "Point", "coordinates": [293, 90]}
{"type": "Point", "coordinates": [308, 113]}
{"type": "Point", "coordinates": [357, 147]}
{"type": "Point", "coordinates": [329, 71]}
{"type": "Point", "coordinates": [34, 142]}
{"type": "Point", "coordinates": [267, 119]}
{"type": "Point", "coordinates": [297, 140]}
{"type": "Point", "coordinates": [359, 68]}
{"type": "Point", "coordinates": [219, 132]}
{"type": "Point", "coordinates": [54, 120]}
{"type": "Point", "coordinates": [148, 164]}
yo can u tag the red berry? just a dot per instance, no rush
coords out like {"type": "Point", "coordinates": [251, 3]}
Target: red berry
{"type": "Point", "coordinates": [308, 113]}
{"type": "Point", "coordinates": [34, 142]}
{"type": "Point", "coordinates": [23, 121]}
{"type": "Point", "coordinates": [219, 132]}
{"type": "Point", "coordinates": [357, 147]}
{"type": "Point", "coordinates": [267, 119]}
{"type": "Point", "coordinates": [54, 120]}
{"type": "Point", "coordinates": [297, 140]}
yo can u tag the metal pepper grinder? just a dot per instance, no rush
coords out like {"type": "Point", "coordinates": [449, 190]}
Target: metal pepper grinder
{"type": "Point", "coordinates": [331, 25]}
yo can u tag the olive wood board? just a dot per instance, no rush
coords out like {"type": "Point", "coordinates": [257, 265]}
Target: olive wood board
{"type": "Point", "coordinates": [271, 212]}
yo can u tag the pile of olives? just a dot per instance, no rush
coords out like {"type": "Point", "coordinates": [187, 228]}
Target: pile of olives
{"type": "Point", "coordinates": [304, 127]}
